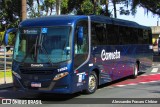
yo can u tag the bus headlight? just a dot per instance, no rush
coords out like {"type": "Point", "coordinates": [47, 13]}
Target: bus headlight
{"type": "Point", "coordinates": [16, 74]}
{"type": "Point", "coordinates": [61, 75]}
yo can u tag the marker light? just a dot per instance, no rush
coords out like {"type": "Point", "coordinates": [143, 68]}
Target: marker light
{"type": "Point", "coordinates": [16, 74]}
{"type": "Point", "coordinates": [61, 75]}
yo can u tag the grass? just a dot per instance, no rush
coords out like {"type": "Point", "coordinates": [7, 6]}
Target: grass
{"type": "Point", "coordinates": [8, 74]}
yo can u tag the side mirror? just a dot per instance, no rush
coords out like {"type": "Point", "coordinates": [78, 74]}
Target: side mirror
{"type": "Point", "coordinates": [67, 50]}
{"type": "Point", "coordinates": [80, 35]}
{"type": "Point", "coordinates": [6, 35]}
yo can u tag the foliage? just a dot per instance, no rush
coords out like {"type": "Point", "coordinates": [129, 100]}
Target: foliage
{"type": "Point", "coordinates": [75, 5]}
{"type": "Point", "coordinates": [31, 9]}
{"type": "Point", "coordinates": [87, 7]}
{"type": "Point", "coordinates": [1, 37]}
{"type": "Point", "coordinates": [11, 38]}
{"type": "Point", "coordinates": [48, 5]}
{"type": "Point", "coordinates": [80, 7]}
{"type": "Point", "coordinates": [150, 5]}
{"type": "Point", "coordinates": [122, 10]}
{"type": "Point", "coordinates": [64, 7]}
{"type": "Point", "coordinates": [9, 13]}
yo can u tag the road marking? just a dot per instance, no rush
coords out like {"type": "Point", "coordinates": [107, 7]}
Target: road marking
{"type": "Point", "coordinates": [148, 75]}
{"type": "Point", "coordinates": [132, 84]}
{"type": "Point", "coordinates": [139, 80]}
{"type": "Point", "coordinates": [154, 70]}
{"type": "Point", "coordinates": [153, 81]}
{"type": "Point", "coordinates": [148, 82]}
{"type": "Point", "coordinates": [143, 79]}
{"type": "Point", "coordinates": [120, 85]}
{"type": "Point", "coordinates": [143, 82]}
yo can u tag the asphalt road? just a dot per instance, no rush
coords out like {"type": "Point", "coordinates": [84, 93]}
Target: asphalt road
{"type": "Point", "coordinates": [147, 85]}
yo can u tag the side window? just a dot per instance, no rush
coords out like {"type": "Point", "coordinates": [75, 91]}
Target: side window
{"type": "Point", "coordinates": [113, 34]}
{"type": "Point", "coordinates": [98, 33]}
{"type": "Point", "coordinates": [128, 35]}
{"type": "Point", "coordinates": [145, 36]}
{"type": "Point", "coordinates": [134, 35]}
{"type": "Point", "coordinates": [81, 44]}
{"type": "Point", "coordinates": [140, 36]}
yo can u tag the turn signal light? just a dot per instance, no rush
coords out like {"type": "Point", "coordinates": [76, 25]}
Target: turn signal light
{"type": "Point", "coordinates": [61, 75]}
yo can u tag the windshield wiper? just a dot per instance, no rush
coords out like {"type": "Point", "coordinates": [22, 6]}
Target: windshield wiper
{"type": "Point", "coordinates": [28, 53]}
{"type": "Point", "coordinates": [44, 50]}
{"type": "Point", "coordinates": [33, 47]}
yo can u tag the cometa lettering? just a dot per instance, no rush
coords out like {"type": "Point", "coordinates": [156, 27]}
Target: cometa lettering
{"type": "Point", "coordinates": [36, 65]}
{"type": "Point", "coordinates": [110, 55]}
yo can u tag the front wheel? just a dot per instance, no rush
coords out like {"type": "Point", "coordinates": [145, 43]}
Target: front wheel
{"type": "Point", "coordinates": [92, 83]}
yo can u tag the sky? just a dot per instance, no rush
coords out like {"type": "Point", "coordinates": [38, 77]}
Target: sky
{"type": "Point", "coordinates": [141, 17]}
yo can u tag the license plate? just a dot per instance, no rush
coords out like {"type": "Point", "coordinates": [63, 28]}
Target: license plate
{"type": "Point", "coordinates": [35, 84]}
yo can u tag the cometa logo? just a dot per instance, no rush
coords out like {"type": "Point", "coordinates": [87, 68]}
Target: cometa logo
{"type": "Point", "coordinates": [110, 55]}
{"type": "Point", "coordinates": [36, 65]}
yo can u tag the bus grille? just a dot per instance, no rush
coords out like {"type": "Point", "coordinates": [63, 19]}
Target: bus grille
{"type": "Point", "coordinates": [29, 71]}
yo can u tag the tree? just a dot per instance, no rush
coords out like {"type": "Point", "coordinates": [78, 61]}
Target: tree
{"type": "Point", "coordinates": [64, 7]}
{"type": "Point", "coordinates": [108, 12]}
{"type": "Point", "coordinates": [48, 6]}
{"type": "Point", "coordinates": [81, 6]}
{"type": "Point", "coordinates": [75, 5]}
{"type": "Point", "coordinates": [87, 7]}
{"type": "Point", "coordinates": [150, 5]}
{"type": "Point", "coordinates": [10, 13]}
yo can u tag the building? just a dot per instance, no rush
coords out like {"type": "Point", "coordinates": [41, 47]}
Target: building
{"type": "Point", "coordinates": [155, 36]}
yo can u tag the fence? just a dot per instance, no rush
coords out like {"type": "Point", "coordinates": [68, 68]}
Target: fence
{"type": "Point", "coordinates": [5, 60]}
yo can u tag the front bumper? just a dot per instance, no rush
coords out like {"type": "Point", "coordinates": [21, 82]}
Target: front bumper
{"type": "Point", "coordinates": [48, 85]}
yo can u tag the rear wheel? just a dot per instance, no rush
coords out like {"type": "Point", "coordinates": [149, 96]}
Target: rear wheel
{"type": "Point", "coordinates": [135, 72]}
{"type": "Point", "coordinates": [92, 83]}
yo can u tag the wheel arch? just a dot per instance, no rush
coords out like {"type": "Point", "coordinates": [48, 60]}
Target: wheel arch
{"type": "Point", "coordinates": [138, 64]}
{"type": "Point", "coordinates": [97, 71]}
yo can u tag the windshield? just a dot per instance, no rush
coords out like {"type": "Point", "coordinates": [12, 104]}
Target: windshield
{"type": "Point", "coordinates": [43, 45]}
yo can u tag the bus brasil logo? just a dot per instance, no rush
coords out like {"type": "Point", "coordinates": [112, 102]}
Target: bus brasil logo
{"type": "Point", "coordinates": [110, 55]}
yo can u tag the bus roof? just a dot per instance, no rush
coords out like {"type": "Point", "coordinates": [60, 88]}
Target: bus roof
{"type": "Point", "coordinates": [52, 20]}
{"type": "Point", "coordinates": [70, 19]}
{"type": "Point", "coordinates": [115, 21]}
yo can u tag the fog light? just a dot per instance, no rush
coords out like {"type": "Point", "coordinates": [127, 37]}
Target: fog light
{"type": "Point", "coordinates": [61, 75]}
{"type": "Point", "coordinates": [16, 74]}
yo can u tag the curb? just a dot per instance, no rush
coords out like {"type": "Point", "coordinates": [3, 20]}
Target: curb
{"type": "Point", "coordinates": [4, 86]}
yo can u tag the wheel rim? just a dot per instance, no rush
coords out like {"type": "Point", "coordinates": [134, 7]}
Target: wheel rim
{"type": "Point", "coordinates": [136, 71]}
{"type": "Point", "coordinates": [92, 83]}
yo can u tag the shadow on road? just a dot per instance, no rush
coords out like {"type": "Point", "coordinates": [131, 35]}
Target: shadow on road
{"type": "Point", "coordinates": [11, 94]}
{"type": "Point", "coordinates": [56, 97]}
{"type": "Point", "coordinates": [119, 80]}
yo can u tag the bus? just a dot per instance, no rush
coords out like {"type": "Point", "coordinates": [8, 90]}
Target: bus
{"type": "Point", "coordinates": [68, 54]}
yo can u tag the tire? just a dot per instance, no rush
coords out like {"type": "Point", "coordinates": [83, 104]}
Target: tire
{"type": "Point", "coordinates": [92, 83]}
{"type": "Point", "coordinates": [135, 72]}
